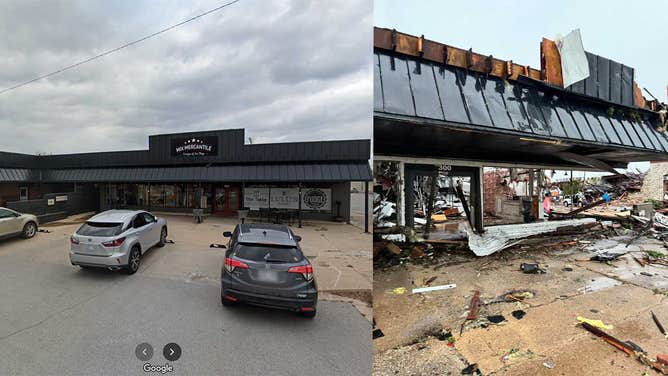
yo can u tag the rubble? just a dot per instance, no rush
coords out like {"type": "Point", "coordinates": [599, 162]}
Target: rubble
{"type": "Point", "coordinates": [500, 237]}
{"type": "Point", "coordinates": [658, 324]}
{"type": "Point", "coordinates": [629, 348]}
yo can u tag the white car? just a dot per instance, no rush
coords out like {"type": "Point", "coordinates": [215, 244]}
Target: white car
{"type": "Point", "coordinates": [13, 223]}
{"type": "Point", "coordinates": [117, 239]}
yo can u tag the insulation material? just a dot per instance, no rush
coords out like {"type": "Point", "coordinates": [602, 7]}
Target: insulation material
{"type": "Point", "coordinates": [574, 64]}
{"type": "Point", "coordinates": [500, 237]}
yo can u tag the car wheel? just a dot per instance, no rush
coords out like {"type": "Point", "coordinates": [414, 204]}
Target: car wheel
{"type": "Point", "coordinates": [163, 237]}
{"type": "Point", "coordinates": [134, 260]}
{"type": "Point", "coordinates": [29, 230]}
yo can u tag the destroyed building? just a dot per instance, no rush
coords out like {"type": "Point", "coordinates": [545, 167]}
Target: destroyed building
{"type": "Point", "coordinates": [445, 114]}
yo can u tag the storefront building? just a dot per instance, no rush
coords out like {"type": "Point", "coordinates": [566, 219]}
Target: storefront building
{"type": "Point", "coordinates": [215, 171]}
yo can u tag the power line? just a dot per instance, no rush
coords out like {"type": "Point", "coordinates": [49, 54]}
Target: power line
{"type": "Point", "coordinates": [118, 48]}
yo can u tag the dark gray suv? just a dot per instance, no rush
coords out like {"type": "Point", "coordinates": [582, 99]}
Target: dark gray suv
{"type": "Point", "coordinates": [265, 266]}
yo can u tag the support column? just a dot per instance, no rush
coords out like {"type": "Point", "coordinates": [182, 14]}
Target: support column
{"type": "Point", "coordinates": [531, 183]}
{"type": "Point", "coordinates": [542, 189]}
{"type": "Point", "coordinates": [572, 193]}
{"type": "Point", "coordinates": [430, 204]}
{"type": "Point", "coordinates": [299, 211]}
{"type": "Point", "coordinates": [477, 200]}
{"type": "Point", "coordinates": [401, 195]}
{"type": "Point", "coordinates": [366, 206]}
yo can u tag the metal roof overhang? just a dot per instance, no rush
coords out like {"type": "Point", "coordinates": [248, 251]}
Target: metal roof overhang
{"type": "Point", "coordinates": [422, 109]}
{"type": "Point", "coordinates": [18, 175]}
{"type": "Point", "coordinates": [330, 172]}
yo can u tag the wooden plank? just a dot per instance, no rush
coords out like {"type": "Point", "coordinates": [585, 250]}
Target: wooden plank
{"type": "Point", "coordinates": [551, 62]}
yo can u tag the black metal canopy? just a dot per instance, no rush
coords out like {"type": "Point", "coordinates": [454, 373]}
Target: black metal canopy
{"type": "Point", "coordinates": [278, 173]}
{"type": "Point", "coordinates": [230, 161]}
{"type": "Point", "coordinates": [430, 110]}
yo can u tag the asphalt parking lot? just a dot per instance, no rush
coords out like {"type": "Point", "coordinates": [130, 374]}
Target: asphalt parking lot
{"type": "Point", "coordinates": [56, 319]}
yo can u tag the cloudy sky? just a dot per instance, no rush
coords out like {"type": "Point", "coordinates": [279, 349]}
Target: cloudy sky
{"type": "Point", "coordinates": [632, 33]}
{"type": "Point", "coordinates": [284, 70]}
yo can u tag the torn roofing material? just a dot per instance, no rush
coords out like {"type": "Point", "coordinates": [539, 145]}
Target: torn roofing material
{"type": "Point", "coordinates": [496, 238]}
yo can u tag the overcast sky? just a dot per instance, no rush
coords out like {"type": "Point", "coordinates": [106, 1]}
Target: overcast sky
{"type": "Point", "coordinates": [284, 70]}
{"type": "Point", "coordinates": [632, 33]}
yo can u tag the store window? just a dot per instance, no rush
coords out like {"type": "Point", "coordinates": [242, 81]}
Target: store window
{"type": "Point", "coordinates": [23, 193]}
{"type": "Point", "coordinates": [170, 196]}
{"type": "Point", "coordinates": [157, 196]}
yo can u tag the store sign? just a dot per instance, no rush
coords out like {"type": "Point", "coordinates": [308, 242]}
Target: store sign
{"type": "Point", "coordinates": [51, 202]}
{"type": "Point", "coordinates": [316, 199]}
{"type": "Point", "coordinates": [285, 198]}
{"type": "Point", "coordinates": [255, 198]}
{"type": "Point", "coordinates": [201, 146]}
{"type": "Point", "coordinates": [288, 198]}
{"type": "Point", "coordinates": [61, 198]}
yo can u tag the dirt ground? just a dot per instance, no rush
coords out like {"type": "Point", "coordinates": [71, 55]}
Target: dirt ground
{"type": "Point", "coordinates": [546, 340]}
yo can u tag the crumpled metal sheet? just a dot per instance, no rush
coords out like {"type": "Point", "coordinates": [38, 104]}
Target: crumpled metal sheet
{"type": "Point", "coordinates": [574, 64]}
{"type": "Point", "coordinates": [500, 237]}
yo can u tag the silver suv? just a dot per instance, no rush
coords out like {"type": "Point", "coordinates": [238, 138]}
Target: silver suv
{"type": "Point", "coordinates": [13, 223]}
{"type": "Point", "coordinates": [116, 239]}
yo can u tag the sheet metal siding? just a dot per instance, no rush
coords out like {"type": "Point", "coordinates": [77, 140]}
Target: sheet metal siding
{"type": "Point", "coordinates": [231, 148]}
{"type": "Point", "coordinates": [17, 160]}
{"type": "Point", "coordinates": [608, 80]}
{"type": "Point", "coordinates": [252, 173]}
{"type": "Point", "coordinates": [407, 86]}
{"type": "Point", "coordinates": [323, 151]}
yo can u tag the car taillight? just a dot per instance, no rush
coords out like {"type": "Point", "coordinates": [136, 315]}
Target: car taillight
{"type": "Point", "coordinates": [114, 243]}
{"type": "Point", "coordinates": [74, 240]}
{"type": "Point", "coordinates": [305, 270]}
{"type": "Point", "coordinates": [231, 264]}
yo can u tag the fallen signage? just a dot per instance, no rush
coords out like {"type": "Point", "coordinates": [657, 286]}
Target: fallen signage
{"type": "Point", "coordinates": [496, 238]}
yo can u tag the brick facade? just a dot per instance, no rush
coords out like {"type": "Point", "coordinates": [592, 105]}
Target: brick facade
{"type": "Point", "coordinates": [492, 189]}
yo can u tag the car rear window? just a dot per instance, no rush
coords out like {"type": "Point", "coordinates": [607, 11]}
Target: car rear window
{"type": "Point", "coordinates": [100, 229]}
{"type": "Point", "coordinates": [268, 253]}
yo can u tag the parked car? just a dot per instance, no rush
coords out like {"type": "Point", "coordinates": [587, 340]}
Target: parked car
{"type": "Point", "coordinates": [117, 239]}
{"type": "Point", "coordinates": [13, 223]}
{"type": "Point", "coordinates": [265, 266]}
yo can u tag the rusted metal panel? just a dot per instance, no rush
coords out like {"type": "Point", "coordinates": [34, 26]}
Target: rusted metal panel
{"type": "Point", "coordinates": [638, 99]}
{"type": "Point", "coordinates": [382, 38]}
{"type": "Point", "coordinates": [551, 62]}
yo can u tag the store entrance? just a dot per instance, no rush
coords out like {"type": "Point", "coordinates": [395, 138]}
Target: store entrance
{"type": "Point", "coordinates": [227, 200]}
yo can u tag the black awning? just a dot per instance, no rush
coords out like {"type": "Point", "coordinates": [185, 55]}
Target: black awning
{"type": "Point", "coordinates": [411, 90]}
{"type": "Point", "coordinates": [237, 173]}
{"type": "Point", "coordinates": [18, 175]}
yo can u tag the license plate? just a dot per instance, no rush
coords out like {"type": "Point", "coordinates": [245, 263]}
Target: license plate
{"type": "Point", "coordinates": [267, 276]}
